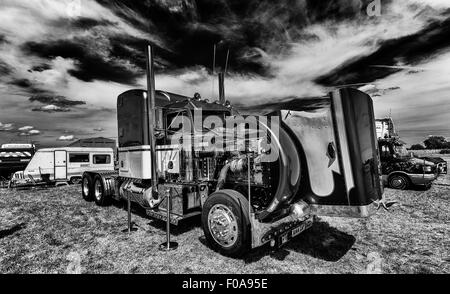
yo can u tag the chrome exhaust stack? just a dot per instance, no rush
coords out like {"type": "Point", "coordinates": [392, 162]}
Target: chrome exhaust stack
{"type": "Point", "coordinates": [151, 101]}
{"type": "Point", "coordinates": [222, 88]}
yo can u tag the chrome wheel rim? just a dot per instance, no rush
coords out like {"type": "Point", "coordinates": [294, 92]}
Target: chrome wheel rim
{"type": "Point", "coordinates": [86, 186]}
{"type": "Point", "coordinates": [398, 182]}
{"type": "Point", "coordinates": [98, 191]}
{"type": "Point", "coordinates": [223, 225]}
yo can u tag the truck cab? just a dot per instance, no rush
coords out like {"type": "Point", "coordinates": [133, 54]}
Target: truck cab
{"type": "Point", "coordinates": [402, 171]}
{"type": "Point", "coordinates": [255, 176]}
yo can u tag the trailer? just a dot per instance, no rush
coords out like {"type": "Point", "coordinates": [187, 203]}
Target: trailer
{"type": "Point", "coordinates": [64, 164]}
{"type": "Point", "coordinates": [14, 157]}
{"type": "Point", "coordinates": [253, 179]}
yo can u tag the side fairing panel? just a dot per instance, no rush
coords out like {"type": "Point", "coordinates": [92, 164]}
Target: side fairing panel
{"type": "Point", "coordinates": [314, 131]}
{"type": "Point", "coordinates": [337, 138]}
{"type": "Point", "coordinates": [135, 162]}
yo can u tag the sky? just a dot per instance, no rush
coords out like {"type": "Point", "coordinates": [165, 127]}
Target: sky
{"type": "Point", "coordinates": [64, 62]}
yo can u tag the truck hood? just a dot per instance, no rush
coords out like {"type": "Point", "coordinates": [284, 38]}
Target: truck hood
{"type": "Point", "coordinates": [420, 161]}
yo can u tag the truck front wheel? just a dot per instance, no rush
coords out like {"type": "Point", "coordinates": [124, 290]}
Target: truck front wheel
{"type": "Point", "coordinates": [399, 182]}
{"type": "Point", "coordinates": [226, 222]}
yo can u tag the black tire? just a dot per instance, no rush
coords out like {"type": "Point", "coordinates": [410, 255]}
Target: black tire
{"type": "Point", "coordinates": [100, 197]}
{"type": "Point", "coordinates": [233, 206]}
{"type": "Point", "coordinates": [87, 187]}
{"type": "Point", "coordinates": [399, 182]}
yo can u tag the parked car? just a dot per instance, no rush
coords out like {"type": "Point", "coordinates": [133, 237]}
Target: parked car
{"type": "Point", "coordinates": [404, 171]}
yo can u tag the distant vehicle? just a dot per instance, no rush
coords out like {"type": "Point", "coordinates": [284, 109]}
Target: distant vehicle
{"type": "Point", "coordinates": [14, 157]}
{"type": "Point", "coordinates": [64, 164]}
{"type": "Point", "coordinates": [402, 172]}
{"type": "Point", "coordinates": [385, 128]}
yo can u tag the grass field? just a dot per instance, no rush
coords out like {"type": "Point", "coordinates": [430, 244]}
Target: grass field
{"type": "Point", "coordinates": [55, 231]}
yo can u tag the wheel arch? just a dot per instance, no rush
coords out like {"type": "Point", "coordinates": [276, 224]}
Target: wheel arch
{"type": "Point", "coordinates": [402, 173]}
{"type": "Point", "coordinates": [399, 173]}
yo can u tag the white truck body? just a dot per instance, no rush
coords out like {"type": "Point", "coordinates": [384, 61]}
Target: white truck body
{"type": "Point", "coordinates": [385, 128]}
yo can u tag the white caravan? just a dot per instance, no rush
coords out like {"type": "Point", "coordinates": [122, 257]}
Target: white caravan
{"type": "Point", "coordinates": [64, 164]}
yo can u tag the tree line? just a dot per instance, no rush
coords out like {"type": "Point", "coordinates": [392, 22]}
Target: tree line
{"type": "Point", "coordinates": [432, 142]}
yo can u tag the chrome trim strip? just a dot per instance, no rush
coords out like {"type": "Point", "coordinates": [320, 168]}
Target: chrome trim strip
{"type": "Point", "coordinates": [135, 148]}
{"type": "Point", "coordinates": [344, 211]}
{"type": "Point", "coordinates": [343, 139]}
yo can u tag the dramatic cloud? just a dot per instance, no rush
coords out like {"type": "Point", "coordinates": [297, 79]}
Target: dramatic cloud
{"type": "Point", "coordinates": [30, 133]}
{"type": "Point", "coordinates": [51, 108]}
{"type": "Point", "coordinates": [410, 49]}
{"type": "Point", "coordinates": [6, 127]}
{"type": "Point", "coordinates": [66, 138]}
{"type": "Point", "coordinates": [25, 128]}
{"type": "Point", "coordinates": [75, 61]}
{"type": "Point", "coordinates": [60, 101]}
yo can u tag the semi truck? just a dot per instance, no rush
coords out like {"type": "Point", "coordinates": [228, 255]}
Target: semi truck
{"type": "Point", "coordinates": [251, 180]}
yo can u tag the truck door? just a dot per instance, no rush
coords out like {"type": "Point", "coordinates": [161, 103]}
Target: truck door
{"type": "Point", "coordinates": [60, 161]}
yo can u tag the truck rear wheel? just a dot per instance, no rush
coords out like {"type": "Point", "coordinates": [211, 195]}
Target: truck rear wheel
{"type": "Point", "coordinates": [226, 222]}
{"type": "Point", "coordinates": [399, 182]}
{"type": "Point", "coordinates": [100, 197]}
{"type": "Point", "coordinates": [86, 187]}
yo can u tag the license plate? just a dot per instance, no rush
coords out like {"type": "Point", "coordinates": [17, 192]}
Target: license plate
{"type": "Point", "coordinates": [296, 231]}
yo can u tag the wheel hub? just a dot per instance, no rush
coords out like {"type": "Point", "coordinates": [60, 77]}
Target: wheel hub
{"type": "Point", "coordinates": [85, 186]}
{"type": "Point", "coordinates": [98, 190]}
{"type": "Point", "coordinates": [397, 182]}
{"type": "Point", "coordinates": [223, 225]}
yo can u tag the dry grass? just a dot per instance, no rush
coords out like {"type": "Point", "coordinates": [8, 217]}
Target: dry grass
{"type": "Point", "coordinates": [50, 231]}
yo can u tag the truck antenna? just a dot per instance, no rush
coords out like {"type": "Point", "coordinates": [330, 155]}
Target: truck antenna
{"type": "Point", "coordinates": [226, 62]}
{"type": "Point", "coordinates": [213, 70]}
{"type": "Point", "coordinates": [222, 81]}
